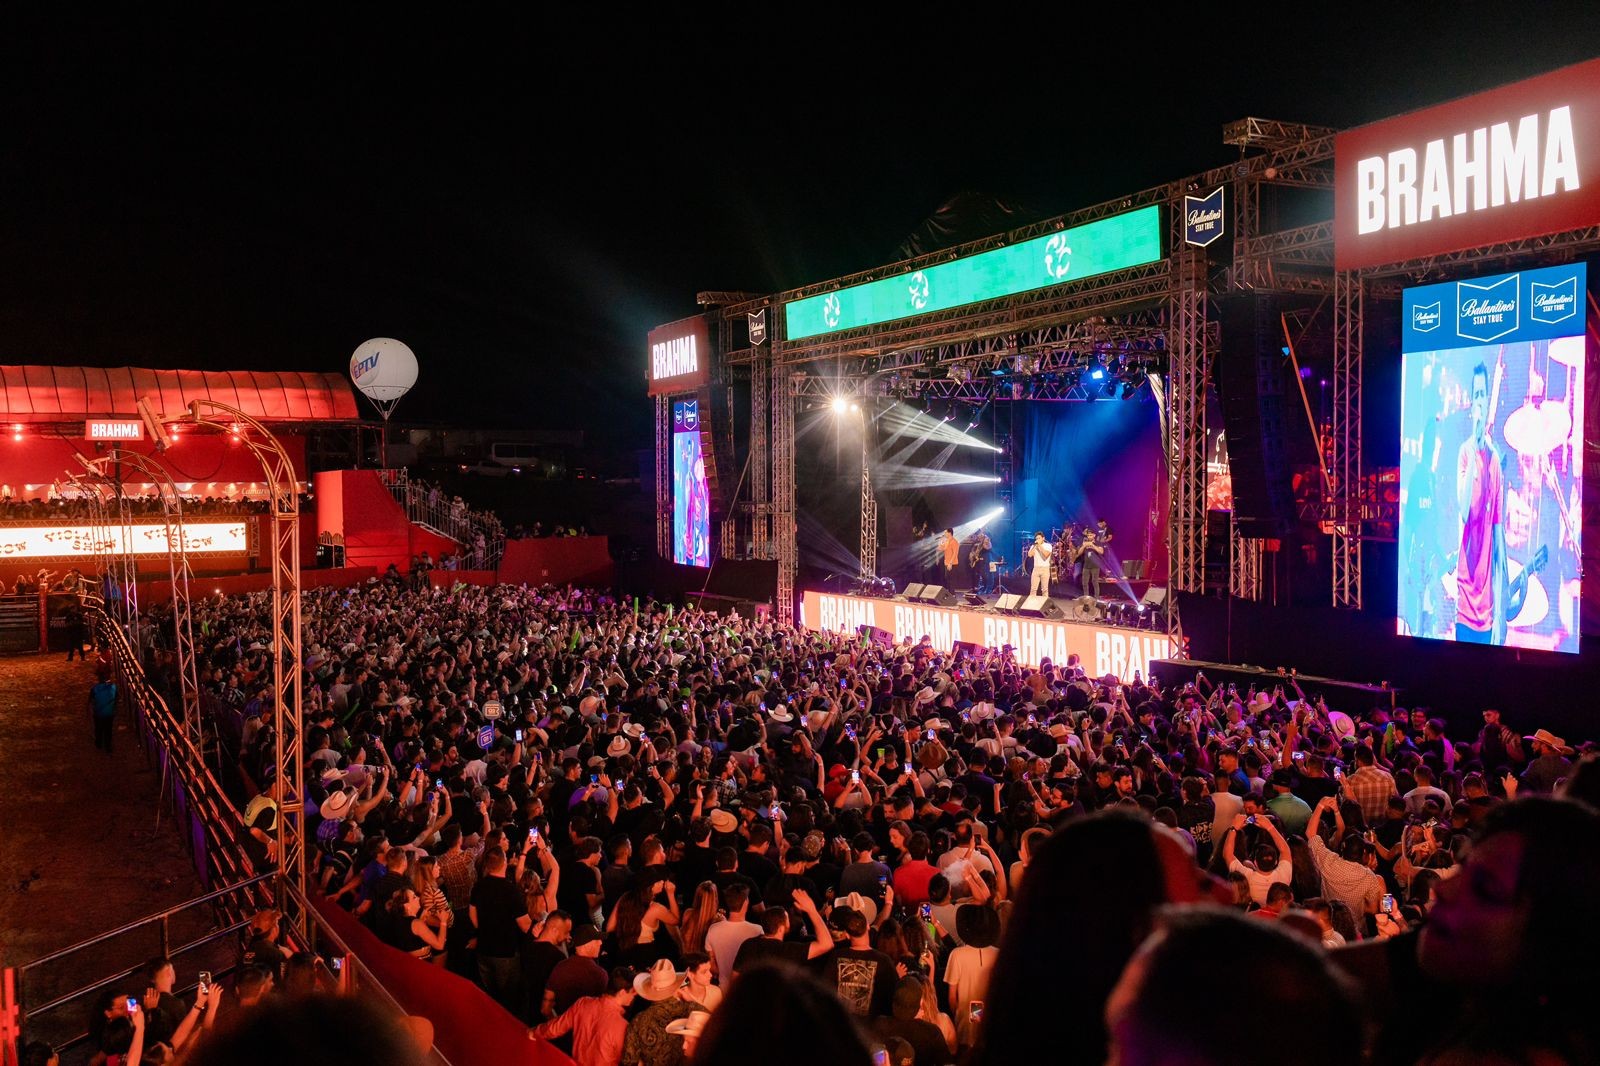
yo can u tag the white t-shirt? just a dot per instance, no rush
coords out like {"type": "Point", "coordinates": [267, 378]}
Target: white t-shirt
{"type": "Point", "coordinates": [722, 944]}
{"type": "Point", "coordinates": [967, 974]}
{"type": "Point", "coordinates": [1281, 874]}
{"type": "Point", "coordinates": [1041, 554]}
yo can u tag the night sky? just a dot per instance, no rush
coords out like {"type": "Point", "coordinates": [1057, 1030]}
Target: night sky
{"type": "Point", "coordinates": [522, 201]}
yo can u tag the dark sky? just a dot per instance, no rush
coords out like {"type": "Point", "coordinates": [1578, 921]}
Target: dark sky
{"type": "Point", "coordinates": [520, 201]}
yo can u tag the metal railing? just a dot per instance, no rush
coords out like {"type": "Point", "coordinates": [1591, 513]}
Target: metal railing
{"type": "Point", "coordinates": [133, 940]}
{"type": "Point", "coordinates": [183, 766]}
{"type": "Point", "coordinates": [429, 505]}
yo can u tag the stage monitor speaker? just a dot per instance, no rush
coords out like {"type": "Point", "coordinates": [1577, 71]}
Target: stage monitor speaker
{"type": "Point", "coordinates": [912, 592]}
{"type": "Point", "coordinates": [1010, 601]}
{"type": "Point", "coordinates": [1040, 607]}
{"type": "Point", "coordinates": [1154, 596]}
{"type": "Point", "coordinates": [937, 595]}
{"type": "Point", "coordinates": [1133, 569]}
{"type": "Point", "coordinates": [973, 599]}
{"type": "Point", "coordinates": [1253, 381]}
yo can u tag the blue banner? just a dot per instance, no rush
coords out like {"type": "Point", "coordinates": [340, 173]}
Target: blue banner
{"type": "Point", "coordinates": [1530, 305]}
{"type": "Point", "coordinates": [1203, 218]}
{"type": "Point", "coordinates": [686, 416]}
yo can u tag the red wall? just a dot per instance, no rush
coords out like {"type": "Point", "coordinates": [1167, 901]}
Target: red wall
{"type": "Point", "coordinates": [356, 504]}
{"type": "Point", "coordinates": [557, 561]}
{"type": "Point", "coordinates": [468, 1026]}
{"type": "Point", "coordinates": [161, 591]}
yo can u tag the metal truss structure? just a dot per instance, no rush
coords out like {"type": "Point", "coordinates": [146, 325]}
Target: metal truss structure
{"type": "Point", "coordinates": [869, 507]}
{"type": "Point", "coordinates": [664, 477]}
{"type": "Point", "coordinates": [108, 469]}
{"type": "Point", "coordinates": [1244, 572]}
{"type": "Point", "coordinates": [1031, 345]}
{"type": "Point", "coordinates": [288, 786]}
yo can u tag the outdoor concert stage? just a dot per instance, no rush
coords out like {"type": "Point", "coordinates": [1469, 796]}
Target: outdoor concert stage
{"type": "Point", "coordinates": [1104, 649]}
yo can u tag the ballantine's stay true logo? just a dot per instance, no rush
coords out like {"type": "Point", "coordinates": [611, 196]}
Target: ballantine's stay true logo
{"type": "Point", "coordinates": [1485, 312]}
{"type": "Point", "coordinates": [1425, 318]}
{"type": "Point", "coordinates": [1477, 170]}
{"type": "Point", "coordinates": [1554, 303]}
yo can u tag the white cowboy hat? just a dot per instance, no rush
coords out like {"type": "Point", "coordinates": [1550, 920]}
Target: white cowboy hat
{"type": "Point", "coordinates": [337, 805]}
{"type": "Point", "coordinates": [618, 747]}
{"type": "Point", "coordinates": [659, 982]}
{"type": "Point", "coordinates": [925, 695]}
{"type": "Point", "coordinates": [633, 729]}
{"type": "Point", "coordinates": [780, 714]}
{"type": "Point", "coordinates": [861, 905]}
{"type": "Point", "coordinates": [982, 712]}
{"type": "Point", "coordinates": [692, 1025]}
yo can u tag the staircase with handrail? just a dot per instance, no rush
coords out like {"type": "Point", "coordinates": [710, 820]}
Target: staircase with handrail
{"type": "Point", "coordinates": [431, 508]}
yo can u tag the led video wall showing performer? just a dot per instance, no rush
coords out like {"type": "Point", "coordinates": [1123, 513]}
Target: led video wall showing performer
{"type": "Point", "coordinates": [691, 500]}
{"type": "Point", "coordinates": [1491, 459]}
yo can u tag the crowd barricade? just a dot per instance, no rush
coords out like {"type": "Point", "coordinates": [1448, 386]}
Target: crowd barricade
{"type": "Point", "coordinates": [558, 561]}
{"type": "Point", "coordinates": [468, 1025]}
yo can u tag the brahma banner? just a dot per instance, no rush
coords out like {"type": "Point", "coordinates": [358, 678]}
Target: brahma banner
{"type": "Point", "coordinates": [1515, 162]}
{"type": "Point", "coordinates": [680, 356]}
{"type": "Point", "coordinates": [1103, 649]}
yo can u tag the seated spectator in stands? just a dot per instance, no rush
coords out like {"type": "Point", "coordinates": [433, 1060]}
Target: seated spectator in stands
{"type": "Point", "coordinates": [1300, 1008]}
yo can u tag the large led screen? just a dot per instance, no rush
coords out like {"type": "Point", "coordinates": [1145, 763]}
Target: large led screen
{"type": "Point", "coordinates": [691, 501]}
{"type": "Point", "coordinates": [1491, 459]}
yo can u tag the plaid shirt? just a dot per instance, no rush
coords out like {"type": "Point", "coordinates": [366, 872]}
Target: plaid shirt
{"type": "Point", "coordinates": [1371, 788]}
{"type": "Point", "coordinates": [458, 872]}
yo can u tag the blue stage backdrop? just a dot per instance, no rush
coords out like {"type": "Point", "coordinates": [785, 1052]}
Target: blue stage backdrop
{"type": "Point", "coordinates": [1087, 461]}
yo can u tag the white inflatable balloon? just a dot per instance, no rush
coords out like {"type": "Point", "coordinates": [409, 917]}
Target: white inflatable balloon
{"type": "Point", "coordinates": [384, 370]}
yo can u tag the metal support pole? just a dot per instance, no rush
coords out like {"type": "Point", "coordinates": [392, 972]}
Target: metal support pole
{"type": "Point", "coordinates": [1348, 313]}
{"type": "Point", "coordinates": [784, 388]}
{"type": "Point", "coordinates": [664, 478]}
{"type": "Point", "coordinates": [869, 506]}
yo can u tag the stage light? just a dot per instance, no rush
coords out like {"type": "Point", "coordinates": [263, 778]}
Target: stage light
{"type": "Point", "coordinates": [838, 405]}
{"type": "Point", "coordinates": [1097, 374]}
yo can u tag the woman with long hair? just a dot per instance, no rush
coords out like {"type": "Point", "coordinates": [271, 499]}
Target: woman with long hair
{"type": "Point", "coordinates": [425, 881]}
{"type": "Point", "coordinates": [637, 918]}
{"type": "Point", "coordinates": [409, 931]}
{"type": "Point", "coordinates": [698, 918]}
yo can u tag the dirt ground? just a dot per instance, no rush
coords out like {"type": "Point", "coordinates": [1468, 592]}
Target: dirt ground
{"type": "Point", "coordinates": [80, 848]}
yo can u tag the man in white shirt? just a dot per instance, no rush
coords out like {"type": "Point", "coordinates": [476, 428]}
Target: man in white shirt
{"type": "Point", "coordinates": [724, 938]}
{"type": "Point", "coordinates": [1039, 552]}
{"type": "Point", "coordinates": [1270, 862]}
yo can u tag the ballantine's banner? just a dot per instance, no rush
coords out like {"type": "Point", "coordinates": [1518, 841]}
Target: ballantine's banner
{"type": "Point", "coordinates": [1514, 162]}
{"type": "Point", "coordinates": [1531, 305]}
{"type": "Point", "coordinates": [76, 542]}
{"type": "Point", "coordinates": [680, 356]}
{"type": "Point", "coordinates": [756, 321]}
{"type": "Point", "coordinates": [1126, 240]}
{"type": "Point", "coordinates": [1103, 649]}
{"type": "Point", "coordinates": [1203, 220]}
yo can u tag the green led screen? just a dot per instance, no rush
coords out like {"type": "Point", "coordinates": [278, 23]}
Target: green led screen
{"type": "Point", "coordinates": [1115, 243]}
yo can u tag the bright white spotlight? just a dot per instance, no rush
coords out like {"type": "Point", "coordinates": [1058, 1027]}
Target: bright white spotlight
{"type": "Point", "coordinates": [855, 408]}
{"type": "Point", "coordinates": [839, 405]}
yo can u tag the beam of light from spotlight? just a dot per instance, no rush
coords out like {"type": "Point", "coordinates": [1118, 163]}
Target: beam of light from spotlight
{"type": "Point", "coordinates": [921, 477]}
{"type": "Point", "coordinates": [934, 428]}
{"type": "Point", "coordinates": [968, 528]}
{"type": "Point", "coordinates": [821, 549]}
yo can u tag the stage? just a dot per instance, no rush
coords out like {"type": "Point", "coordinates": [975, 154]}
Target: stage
{"type": "Point", "coordinates": [1103, 649]}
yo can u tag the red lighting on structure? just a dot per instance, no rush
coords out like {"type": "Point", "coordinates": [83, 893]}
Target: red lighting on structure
{"type": "Point", "coordinates": [16, 431]}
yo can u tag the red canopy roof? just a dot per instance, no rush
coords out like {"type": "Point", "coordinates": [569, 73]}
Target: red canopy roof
{"type": "Point", "coordinates": [68, 393]}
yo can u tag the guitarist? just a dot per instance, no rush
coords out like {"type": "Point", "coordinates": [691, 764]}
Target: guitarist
{"type": "Point", "coordinates": [978, 560]}
{"type": "Point", "coordinates": [1481, 593]}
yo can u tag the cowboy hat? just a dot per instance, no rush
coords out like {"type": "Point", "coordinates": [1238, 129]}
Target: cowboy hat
{"type": "Point", "coordinates": [1343, 725]}
{"type": "Point", "coordinates": [925, 695]}
{"type": "Point", "coordinates": [862, 905]}
{"type": "Point", "coordinates": [780, 714]}
{"type": "Point", "coordinates": [723, 821]}
{"type": "Point", "coordinates": [692, 1025]}
{"type": "Point", "coordinates": [337, 805]}
{"type": "Point", "coordinates": [1544, 736]}
{"type": "Point", "coordinates": [633, 729]}
{"type": "Point", "coordinates": [982, 712]}
{"type": "Point", "coordinates": [659, 982]}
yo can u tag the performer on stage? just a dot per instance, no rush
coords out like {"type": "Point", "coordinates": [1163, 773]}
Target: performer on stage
{"type": "Point", "coordinates": [1480, 495]}
{"type": "Point", "coordinates": [978, 556]}
{"type": "Point", "coordinates": [1091, 553]}
{"type": "Point", "coordinates": [1039, 552]}
{"type": "Point", "coordinates": [951, 547]}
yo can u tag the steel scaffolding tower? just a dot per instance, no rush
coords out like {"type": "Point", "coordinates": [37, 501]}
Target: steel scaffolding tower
{"type": "Point", "coordinates": [664, 477]}
{"type": "Point", "coordinates": [784, 521]}
{"type": "Point", "coordinates": [1348, 312]}
{"type": "Point", "coordinates": [869, 505]}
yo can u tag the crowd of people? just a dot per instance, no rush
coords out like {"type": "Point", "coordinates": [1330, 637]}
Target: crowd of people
{"type": "Point", "coordinates": [690, 833]}
{"type": "Point", "coordinates": [59, 508]}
